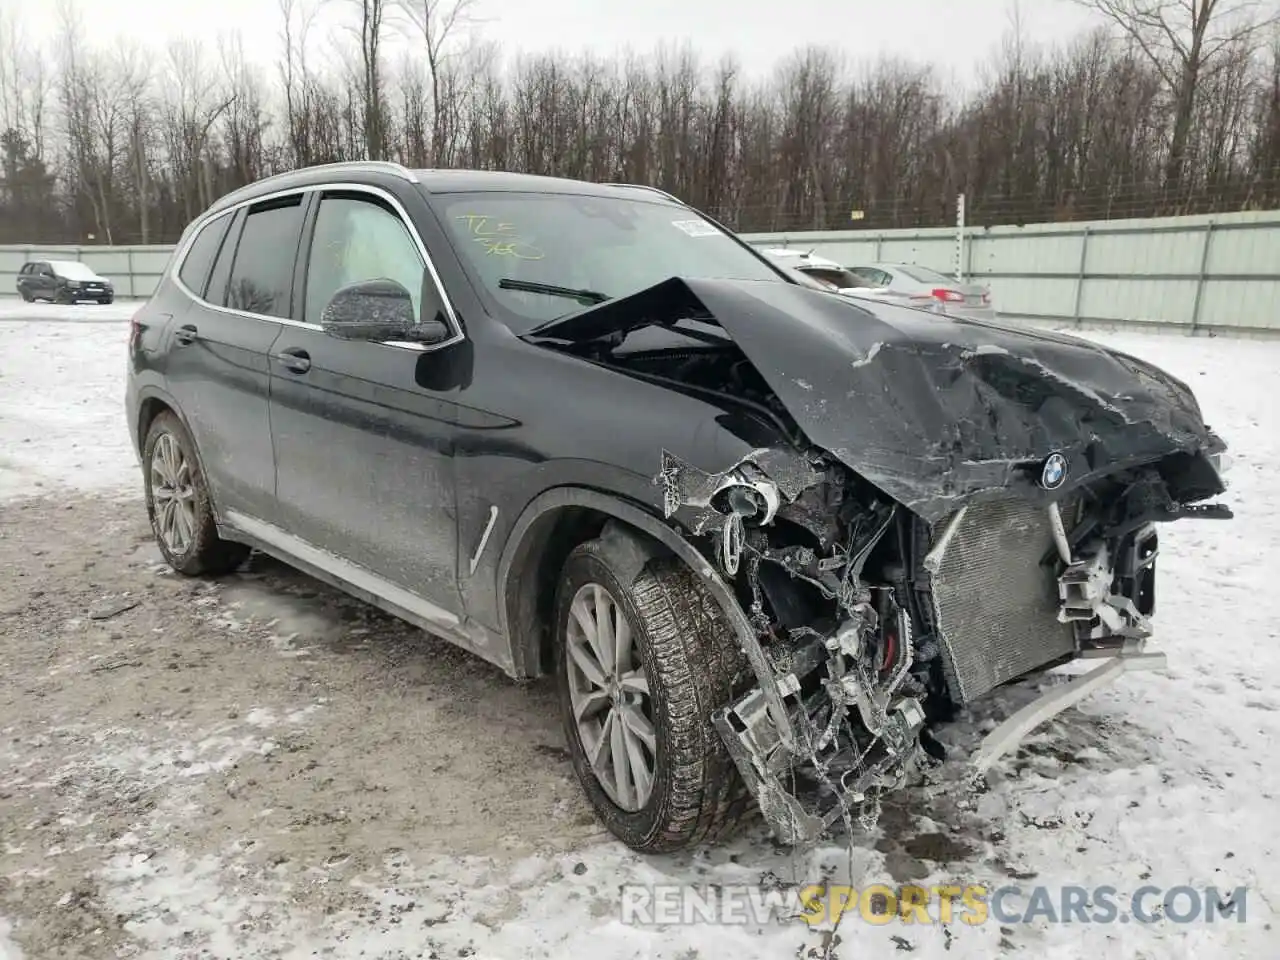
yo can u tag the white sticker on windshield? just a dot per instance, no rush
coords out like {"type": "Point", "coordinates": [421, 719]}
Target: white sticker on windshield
{"type": "Point", "coordinates": [696, 228]}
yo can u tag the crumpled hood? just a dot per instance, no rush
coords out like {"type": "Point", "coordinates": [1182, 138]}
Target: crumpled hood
{"type": "Point", "coordinates": [933, 410]}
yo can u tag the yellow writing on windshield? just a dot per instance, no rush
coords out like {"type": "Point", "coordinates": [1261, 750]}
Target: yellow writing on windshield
{"type": "Point", "coordinates": [479, 225]}
{"type": "Point", "coordinates": [498, 238]}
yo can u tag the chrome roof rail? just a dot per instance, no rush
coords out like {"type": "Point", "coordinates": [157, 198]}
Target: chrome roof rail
{"type": "Point", "coordinates": [657, 190]}
{"type": "Point", "coordinates": [341, 166]}
{"type": "Point", "coordinates": [386, 166]}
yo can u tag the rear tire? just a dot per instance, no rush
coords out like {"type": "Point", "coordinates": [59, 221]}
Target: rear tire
{"type": "Point", "coordinates": [683, 647]}
{"type": "Point", "coordinates": [27, 297]}
{"type": "Point", "coordinates": [179, 506]}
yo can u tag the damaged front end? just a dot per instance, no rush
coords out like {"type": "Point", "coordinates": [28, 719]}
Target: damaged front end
{"type": "Point", "coordinates": [872, 623]}
{"type": "Point", "coordinates": [950, 506]}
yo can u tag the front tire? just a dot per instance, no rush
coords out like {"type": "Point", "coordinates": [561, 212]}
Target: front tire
{"type": "Point", "coordinates": [179, 506]}
{"type": "Point", "coordinates": [639, 728]}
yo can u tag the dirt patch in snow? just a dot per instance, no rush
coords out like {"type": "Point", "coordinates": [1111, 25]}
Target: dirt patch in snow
{"type": "Point", "coordinates": [257, 726]}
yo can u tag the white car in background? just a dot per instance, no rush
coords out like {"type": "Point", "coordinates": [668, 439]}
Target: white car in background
{"type": "Point", "coordinates": [904, 283]}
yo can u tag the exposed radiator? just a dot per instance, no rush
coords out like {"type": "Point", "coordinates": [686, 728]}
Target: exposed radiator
{"type": "Point", "coordinates": [996, 605]}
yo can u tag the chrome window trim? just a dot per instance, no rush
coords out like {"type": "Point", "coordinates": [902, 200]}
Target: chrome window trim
{"type": "Point", "coordinates": [456, 336]}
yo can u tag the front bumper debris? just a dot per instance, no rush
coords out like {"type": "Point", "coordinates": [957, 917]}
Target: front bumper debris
{"type": "Point", "coordinates": [1010, 596]}
{"type": "Point", "coordinates": [1011, 732]}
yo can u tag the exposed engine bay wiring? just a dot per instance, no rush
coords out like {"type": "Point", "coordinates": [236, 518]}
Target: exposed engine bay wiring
{"type": "Point", "coordinates": [860, 610]}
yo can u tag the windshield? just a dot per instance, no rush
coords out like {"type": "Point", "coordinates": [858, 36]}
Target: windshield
{"type": "Point", "coordinates": [72, 270]}
{"type": "Point", "coordinates": [539, 256]}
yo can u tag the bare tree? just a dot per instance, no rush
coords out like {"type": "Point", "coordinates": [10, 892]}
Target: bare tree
{"type": "Point", "coordinates": [132, 77]}
{"type": "Point", "coordinates": [245, 123]}
{"type": "Point", "coordinates": [438, 22]}
{"type": "Point", "coordinates": [1264, 161]}
{"type": "Point", "coordinates": [295, 76]}
{"type": "Point", "coordinates": [1187, 42]}
{"type": "Point", "coordinates": [194, 102]}
{"type": "Point", "coordinates": [371, 21]}
{"type": "Point", "coordinates": [81, 96]}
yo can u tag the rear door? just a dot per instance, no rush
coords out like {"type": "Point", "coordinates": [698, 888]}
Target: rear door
{"type": "Point", "coordinates": [218, 352]}
{"type": "Point", "coordinates": [363, 441]}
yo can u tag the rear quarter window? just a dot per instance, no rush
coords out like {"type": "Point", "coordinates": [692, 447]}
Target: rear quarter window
{"type": "Point", "coordinates": [195, 268]}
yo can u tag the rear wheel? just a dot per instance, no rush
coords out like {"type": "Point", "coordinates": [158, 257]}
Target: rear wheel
{"type": "Point", "coordinates": [178, 503]}
{"type": "Point", "coordinates": [26, 296]}
{"type": "Point", "coordinates": [641, 668]}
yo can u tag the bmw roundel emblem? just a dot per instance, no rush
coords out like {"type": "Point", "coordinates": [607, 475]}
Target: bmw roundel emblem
{"type": "Point", "coordinates": [1055, 471]}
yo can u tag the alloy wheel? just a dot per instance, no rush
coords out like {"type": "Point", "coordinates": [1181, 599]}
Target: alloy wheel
{"type": "Point", "coordinates": [609, 692]}
{"type": "Point", "coordinates": [173, 495]}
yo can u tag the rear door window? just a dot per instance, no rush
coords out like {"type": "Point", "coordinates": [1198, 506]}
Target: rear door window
{"type": "Point", "coordinates": [262, 272]}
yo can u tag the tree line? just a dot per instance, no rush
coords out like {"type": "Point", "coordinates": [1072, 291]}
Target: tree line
{"type": "Point", "coordinates": [1169, 106]}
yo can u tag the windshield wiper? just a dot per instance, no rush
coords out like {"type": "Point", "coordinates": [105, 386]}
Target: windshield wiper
{"type": "Point", "coordinates": [586, 297]}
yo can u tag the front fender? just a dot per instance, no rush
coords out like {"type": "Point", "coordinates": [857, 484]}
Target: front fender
{"type": "Point", "coordinates": [518, 611]}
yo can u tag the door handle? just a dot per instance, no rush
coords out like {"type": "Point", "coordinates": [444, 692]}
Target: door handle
{"type": "Point", "coordinates": [186, 334]}
{"type": "Point", "coordinates": [294, 359]}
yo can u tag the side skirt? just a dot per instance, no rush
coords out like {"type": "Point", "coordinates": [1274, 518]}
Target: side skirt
{"type": "Point", "coordinates": [367, 586]}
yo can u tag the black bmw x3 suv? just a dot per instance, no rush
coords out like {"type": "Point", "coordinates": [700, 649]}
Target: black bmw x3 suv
{"type": "Point", "coordinates": [764, 536]}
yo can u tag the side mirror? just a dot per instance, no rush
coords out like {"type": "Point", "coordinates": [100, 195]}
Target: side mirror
{"type": "Point", "coordinates": [378, 310]}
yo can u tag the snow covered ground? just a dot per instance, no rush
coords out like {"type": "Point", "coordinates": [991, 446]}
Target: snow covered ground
{"type": "Point", "coordinates": [1167, 779]}
{"type": "Point", "coordinates": [61, 396]}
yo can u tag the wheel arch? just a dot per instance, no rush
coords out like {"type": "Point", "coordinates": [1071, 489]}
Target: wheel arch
{"type": "Point", "coordinates": [555, 522]}
{"type": "Point", "coordinates": [152, 401]}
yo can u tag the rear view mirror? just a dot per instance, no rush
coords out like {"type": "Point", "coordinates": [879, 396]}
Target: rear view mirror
{"type": "Point", "coordinates": [378, 310]}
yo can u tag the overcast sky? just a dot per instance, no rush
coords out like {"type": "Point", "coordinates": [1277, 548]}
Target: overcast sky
{"type": "Point", "coordinates": [955, 34]}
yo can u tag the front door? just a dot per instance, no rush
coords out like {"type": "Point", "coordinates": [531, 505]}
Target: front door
{"type": "Point", "coordinates": [43, 282]}
{"type": "Point", "coordinates": [363, 449]}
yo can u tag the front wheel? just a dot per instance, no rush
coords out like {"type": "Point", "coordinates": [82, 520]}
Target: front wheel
{"type": "Point", "coordinates": [641, 667]}
{"type": "Point", "coordinates": [179, 506]}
